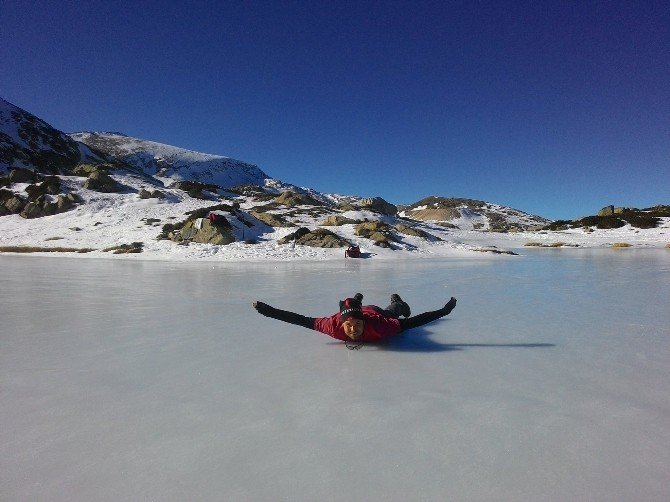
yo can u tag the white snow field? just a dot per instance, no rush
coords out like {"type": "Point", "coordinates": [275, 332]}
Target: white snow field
{"type": "Point", "coordinates": [141, 380]}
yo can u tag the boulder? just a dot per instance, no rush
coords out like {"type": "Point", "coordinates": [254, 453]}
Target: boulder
{"type": "Point", "coordinates": [346, 206]}
{"type": "Point", "coordinates": [202, 230]}
{"type": "Point", "coordinates": [134, 247]}
{"type": "Point", "coordinates": [51, 185]}
{"type": "Point", "coordinates": [102, 182]}
{"type": "Point", "coordinates": [319, 237]}
{"type": "Point", "coordinates": [155, 194]}
{"type": "Point", "coordinates": [88, 169]}
{"type": "Point", "coordinates": [23, 175]}
{"type": "Point", "coordinates": [250, 191]}
{"type": "Point", "coordinates": [380, 233]}
{"type": "Point", "coordinates": [335, 220]}
{"type": "Point", "coordinates": [611, 211]}
{"type": "Point", "coordinates": [15, 204]}
{"type": "Point", "coordinates": [194, 188]}
{"type": "Point", "coordinates": [273, 220]}
{"type": "Point", "coordinates": [379, 205]}
{"type": "Point", "coordinates": [446, 224]}
{"type": "Point", "coordinates": [292, 199]}
{"type": "Point", "coordinates": [5, 195]}
{"type": "Point", "coordinates": [606, 211]}
{"type": "Point", "coordinates": [416, 232]}
{"type": "Point", "coordinates": [294, 236]}
{"type": "Point", "coordinates": [45, 206]}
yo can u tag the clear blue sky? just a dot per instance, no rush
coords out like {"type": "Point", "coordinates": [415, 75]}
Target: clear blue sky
{"type": "Point", "coordinates": [556, 108]}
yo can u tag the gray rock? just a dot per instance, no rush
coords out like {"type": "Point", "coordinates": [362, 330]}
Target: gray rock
{"type": "Point", "coordinates": [320, 238]}
{"type": "Point", "coordinates": [291, 199]}
{"type": "Point", "coordinates": [42, 206]}
{"type": "Point", "coordinates": [294, 236]}
{"type": "Point", "coordinates": [22, 175]}
{"type": "Point", "coordinates": [416, 232]}
{"type": "Point", "coordinates": [15, 205]}
{"type": "Point", "coordinates": [155, 194]}
{"type": "Point", "coordinates": [204, 231]}
{"type": "Point", "coordinates": [606, 211]}
{"type": "Point", "coordinates": [88, 169]}
{"type": "Point", "coordinates": [51, 185]}
{"type": "Point", "coordinates": [335, 220]}
{"type": "Point", "coordinates": [379, 205]}
{"type": "Point", "coordinates": [102, 182]}
{"type": "Point", "coordinates": [273, 220]}
{"type": "Point", "coordinates": [378, 232]}
{"type": "Point", "coordinates": [611, 211]}
{"type": "Point", "coordinates": [194, 188]}
{"type": "Point", "coordinates": [5, 195]}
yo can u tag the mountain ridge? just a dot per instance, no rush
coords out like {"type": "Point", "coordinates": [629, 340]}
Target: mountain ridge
{"type": "Point", "coordinates": [102, 190]}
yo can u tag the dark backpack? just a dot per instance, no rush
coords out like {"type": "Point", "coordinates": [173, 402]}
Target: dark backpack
{"type": "Point", "coordinates": [353, 252]}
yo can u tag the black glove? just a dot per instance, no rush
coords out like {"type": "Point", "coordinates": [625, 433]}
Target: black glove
{"type": "Point", "coordinates": [262, 308]}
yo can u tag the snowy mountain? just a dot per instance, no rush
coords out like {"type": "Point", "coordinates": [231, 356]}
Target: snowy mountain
{"type": "Point", "coordinates": [473, 214]}
{"type": "Point", "coordinates": [29, 142]}
{"type": "Point", "coordinates": [165, 161]}
{"type": "Point", "coordinates": [100, 193]}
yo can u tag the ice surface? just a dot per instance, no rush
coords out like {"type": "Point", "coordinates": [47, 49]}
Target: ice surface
{"type": "Point", "coordinates": [139, 380]}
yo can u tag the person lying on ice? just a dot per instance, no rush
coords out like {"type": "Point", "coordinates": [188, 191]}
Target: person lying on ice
{"type": "Point", "coordinates": [358, 323]}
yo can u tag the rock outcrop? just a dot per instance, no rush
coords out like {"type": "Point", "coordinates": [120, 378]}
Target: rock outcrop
{"type": "Point", "coordinates": [22, 175]}
{"type": "Point", "coordinates": [154, 194]}
{"type": "Point", "coordinates": [100, 181]}
{"type": "Point", "coordinates": [194, 188]}
{"type": "Point", "coordinates": [378, 232]}
{"type": "Point", "coordinates": [204, 231]}
{"type": "Point", "coordinates": [415, 232]}
{"type": "Point", "coordinates": [319, 237]}
{"type": "Point", "coordinates": [335, 220]}
{"type": "Point", "coordinates": [292, 199]}
{"type": "Point", "coordinates": [273, 220]}
{"type": "Point", "coordinates": [379, 205]}
{"type": "Point", "coordinates": [45, 206]}
{"type": "Point", "coordinates": [44, 199]}
{"type": "Point", "coordinates": [610, 211]}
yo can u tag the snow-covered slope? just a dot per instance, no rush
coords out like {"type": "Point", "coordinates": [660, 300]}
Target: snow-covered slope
{"type": "Point", "coordinates": [469, 214]}
{"type": "Point", "coordinates": [165, 161]}
{"type": "Point", "coordinates": [28, 141]}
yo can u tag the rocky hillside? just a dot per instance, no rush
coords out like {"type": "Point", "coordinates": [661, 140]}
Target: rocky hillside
{"type": "Point", "coordinates": [165, 161]}
{"type": "Point", "coordinates": [611, 217]}
{"type": "Point", "coordinates": [469, 214]}
{"type": "Point", "coordinates": [27, 141]}
{"type": "Point", "coordinates": [107, 192]}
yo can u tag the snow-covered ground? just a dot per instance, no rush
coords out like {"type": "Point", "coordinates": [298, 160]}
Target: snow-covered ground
{"type": "Point", "coordinates": [106, 220]}
{"type": "Point", "coordinates": [149, 380]}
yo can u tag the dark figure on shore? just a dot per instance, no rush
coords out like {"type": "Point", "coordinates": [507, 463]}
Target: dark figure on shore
{"type": "Point", "coordinates": [359, 323]}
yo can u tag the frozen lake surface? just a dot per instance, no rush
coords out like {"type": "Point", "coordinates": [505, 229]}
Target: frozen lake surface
{"type": "Point", "coordinates": [137, 380]}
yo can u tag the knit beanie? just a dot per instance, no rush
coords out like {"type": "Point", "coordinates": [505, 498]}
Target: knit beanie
{"type": "Point", "coordinates": [350, 307]}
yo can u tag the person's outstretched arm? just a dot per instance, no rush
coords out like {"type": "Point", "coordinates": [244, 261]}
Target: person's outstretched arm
{"type": "Point", "coordinates": [284, 315]}
{"type": "Point", "coordinates": [426, 317]}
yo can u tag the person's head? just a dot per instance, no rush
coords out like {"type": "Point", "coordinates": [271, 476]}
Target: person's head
{"type": "Point", "coordinates": [352, 318]}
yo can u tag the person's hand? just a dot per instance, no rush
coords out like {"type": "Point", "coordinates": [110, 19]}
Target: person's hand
{"type": "Point", "coordinates": [261, 307]}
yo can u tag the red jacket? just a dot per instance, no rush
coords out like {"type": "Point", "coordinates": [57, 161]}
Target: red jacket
{"type": "Point", "coordinates": [376, 327]}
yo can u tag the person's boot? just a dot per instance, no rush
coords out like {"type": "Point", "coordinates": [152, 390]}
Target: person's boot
{"type": "Point", "coordinates": [405, 311]}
